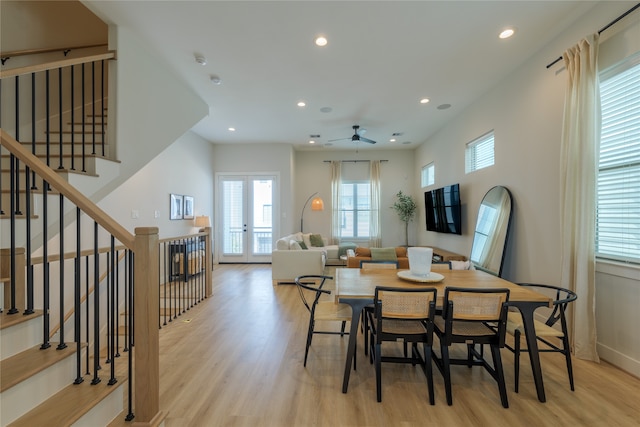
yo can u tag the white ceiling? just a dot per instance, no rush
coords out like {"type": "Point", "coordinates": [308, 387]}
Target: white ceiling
{"type": "Point", "coordinates": [382, 58]}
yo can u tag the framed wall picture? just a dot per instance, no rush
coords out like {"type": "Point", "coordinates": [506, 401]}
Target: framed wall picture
{"type": "Point", "coordinates": [176, 206]}
{"type": "Point", "coordinates": [188, 207]}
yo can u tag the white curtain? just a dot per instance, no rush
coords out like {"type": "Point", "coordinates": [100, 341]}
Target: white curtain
{"type": "Point", "coordinates": [336, 172]}
{"type": "Point", "coordinates": [375, 239]}
{"type": "Point", "coordinates": [578, 173]}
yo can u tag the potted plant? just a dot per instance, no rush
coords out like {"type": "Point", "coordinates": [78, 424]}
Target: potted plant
{"type": "Point", "coordinates": [406, 209]}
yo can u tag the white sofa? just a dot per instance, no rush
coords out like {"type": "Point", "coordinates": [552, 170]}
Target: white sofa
{"type": "Point", "coordinates": [289, 260]}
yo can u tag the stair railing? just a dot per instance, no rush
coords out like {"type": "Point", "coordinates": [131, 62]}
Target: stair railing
{"type": "Point", "coordinates": [136, 264]}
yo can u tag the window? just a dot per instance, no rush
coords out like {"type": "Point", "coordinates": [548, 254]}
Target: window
{"type": "Point", "coordinates": [618, 188]}
{"type": "Point", "coordinates": [428, 175]}
{"type": "Point", "coordinates": [355, 209]}
{"type": "Point", "coordinates": [479, 153]}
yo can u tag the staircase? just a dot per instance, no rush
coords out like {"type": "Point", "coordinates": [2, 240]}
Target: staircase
{"type": "Point", "coordinates": [62, 360]}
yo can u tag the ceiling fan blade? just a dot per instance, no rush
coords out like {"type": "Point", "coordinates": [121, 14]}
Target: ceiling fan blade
{"type": "Point", "coordinates": [339, 139]}
{"type": "Point", "coordinates": [370, 141]}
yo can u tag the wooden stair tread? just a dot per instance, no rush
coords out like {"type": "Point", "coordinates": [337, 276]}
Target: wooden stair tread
{"type": "Point", "coordinates": [8, 320]}
{"type": "Point", "coordinates": [21, 366]}
{"type": "Point", "coordinates": [68, 405]}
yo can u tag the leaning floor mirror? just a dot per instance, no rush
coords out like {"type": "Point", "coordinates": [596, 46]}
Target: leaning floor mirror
{"type": "Point", "coordinates": [492, 230]}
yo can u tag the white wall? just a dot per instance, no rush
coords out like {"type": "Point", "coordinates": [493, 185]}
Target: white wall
{"type": "Point", "coordinates": [182, 168]}
{"type": "Point", "coordinates": [525, 111]}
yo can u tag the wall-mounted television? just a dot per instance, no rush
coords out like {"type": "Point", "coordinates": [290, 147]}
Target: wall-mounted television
{"type": "Point", "coordinates": [443, 210]}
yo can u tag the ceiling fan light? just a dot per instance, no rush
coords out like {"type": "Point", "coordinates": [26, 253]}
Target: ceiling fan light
{"type": "Point", "coordinates": [321, 41]}
{"type": "Point", "coordinates": [506, 33]}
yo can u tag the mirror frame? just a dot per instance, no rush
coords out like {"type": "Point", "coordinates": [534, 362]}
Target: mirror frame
{"type": "Point", "coordinates": [506, 235]}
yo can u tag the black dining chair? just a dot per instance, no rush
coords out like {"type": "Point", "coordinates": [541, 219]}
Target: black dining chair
{"type": "Point", "coordinates": [311, 290]}
{"type": "Point", "coordinates": [472, 316]}
{"type": "Point", "coordinates": [552, 333]}
{"type": "Point", "coordinates": [402, 314]}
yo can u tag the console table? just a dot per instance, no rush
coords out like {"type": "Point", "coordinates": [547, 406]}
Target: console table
{"type": "Point", "coordinates": [443, 255]}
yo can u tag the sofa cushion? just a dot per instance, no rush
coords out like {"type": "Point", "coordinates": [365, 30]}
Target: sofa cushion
{"type": "Point", "coordinates": [294, 245]}
{"type": "Point", "coordinates": [383, 254]}
{"type": "Point", "coordinates": [401, 252]}
{"type": "Point", "coordinates": [282, 244]}
{"type": "Point", "coordinates": [306, 238]}
{"type": "Point", "coordinates": [316, 240]}
{"type": "Point", "coordinates": [361, 251]}
{"type": "Point", "coordinates": [302, 244]}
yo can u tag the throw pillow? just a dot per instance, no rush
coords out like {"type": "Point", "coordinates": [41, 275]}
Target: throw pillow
{"type": "Point", "coordinates": [306, 237]}
{"type": "Point", "coordinates": [302, 244]}
{"type": "Point", "coordinates": [316, 240]}
{"type": "Point", "coordinates": [363, 252]}
{"type": "Point", "coordinates": [294, 246]}
{"type": "Point", "coordinates": [383, 254]}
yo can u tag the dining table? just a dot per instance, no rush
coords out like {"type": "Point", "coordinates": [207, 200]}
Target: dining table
{"type": "Point", "coordinates": [356, 287]}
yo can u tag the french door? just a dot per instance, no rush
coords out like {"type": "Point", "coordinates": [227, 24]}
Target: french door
{"type": "Point", "coordinates": [245, 217]}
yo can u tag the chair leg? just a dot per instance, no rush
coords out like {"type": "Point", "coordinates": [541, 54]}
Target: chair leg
{"type": "Point", "coordinates": [497, 366]}
{"type": "Point", "coordinates": [516, 359]}
{"type": "Point", "coordinates": [309, 338]}
{"type": "Point", "coordinates": [470, 348]}
{"type": "Point", "coordinates": [446, 372]}
{"type": "Point", "coordinates": [378, 357]}
{"type": "Point", "coordinates": [428, 371]}
{"type": "Point", "coordinates": [567, 354]}
{"type": "Point", "coordinates": [344, 324]}
{"type": "Point", "coordinates": [365, 330]}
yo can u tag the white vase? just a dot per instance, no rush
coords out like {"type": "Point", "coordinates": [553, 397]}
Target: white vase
{"type": "Point", "coordinates": [420, 261]}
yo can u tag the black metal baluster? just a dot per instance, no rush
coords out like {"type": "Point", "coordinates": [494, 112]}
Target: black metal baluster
{"type": "Point", "coordinates": [60, 165]}
{"type": "Point", "coordinates": [34, 185]}
{"type": "Point", "coordinates": [103, 109]}
{"type": "Point", "coordinates": [127, 311]}
{"type": "Point", "coordinates": [73, 125]}
{"type": "Point", "coordinates": [87, 310]}
{"type": "Point", "coordinates": [45, 274]}
{"type": "Point", "coordinates": [48, 117]}
{"type": "Point", "coordinates": [29, 307]}
{"type": "Point", "coordinates": [96, 306]}
{"type": "Point", "coordinates": [114, 308]}
{"type": "Point", "coordinates": [16, 194]}
{"type": "Point", "coordinates": [93, 107]}
{"type": "Point", "coordinates": [84, 137]}
{"type": "Point", "coordinates": [130, 414]}
{"type": "Point", "coordinates": [107, 282]}
{"type": "Point", "coordinates": [62, 343]}
{"type": "Point", "coordinates": [163, 301]}
{"type": "Point", "coordinates": [12, 262]}
{"type": "Point", "coordinates": [117, 305]}
{"type": "Point", "coordinates": [77, 333]}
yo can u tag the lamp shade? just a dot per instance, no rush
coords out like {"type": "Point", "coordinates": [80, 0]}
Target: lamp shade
{"type": "Point", "coordinates": [203, 221]}
{"type": "Point", "coordinates": [317, 204]}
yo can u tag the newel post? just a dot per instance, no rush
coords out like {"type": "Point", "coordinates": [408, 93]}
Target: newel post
{"type": "Point", "coordinates": [208, 267]}
{"type": "Point", "coordinates": [146, 336]}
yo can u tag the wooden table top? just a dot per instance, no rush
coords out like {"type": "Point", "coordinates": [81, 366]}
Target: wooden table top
{"type": "Point", "coordinates": [358, 283]}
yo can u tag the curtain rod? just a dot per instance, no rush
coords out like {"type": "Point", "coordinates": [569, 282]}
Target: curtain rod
{"type": "Point", "coordinates": [351, 161]}
{"type": "Point", "coordinates": [604, 28]}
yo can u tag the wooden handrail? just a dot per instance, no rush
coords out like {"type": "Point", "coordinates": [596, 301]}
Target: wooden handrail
{"type": "Point", "coordinates": [55, 65]}
{"type": "Point", "coordinates": [76, 197]}
{"type": "Point", "coordinates": [65, 50]}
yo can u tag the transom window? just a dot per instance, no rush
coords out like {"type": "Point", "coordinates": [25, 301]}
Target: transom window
{"type": "Point", "coordinates": [428, 175]}
{"type": "Point", "coordinates": [479, 153]}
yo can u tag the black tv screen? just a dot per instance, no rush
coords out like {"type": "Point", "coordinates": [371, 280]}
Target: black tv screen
{"type": "Point", "coordinates": [443, 211]}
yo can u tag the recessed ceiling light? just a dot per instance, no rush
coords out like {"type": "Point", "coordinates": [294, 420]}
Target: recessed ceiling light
{"type": "Point", "coordinates": [216, 80]}
{"type": "Point", "coordinates": [314, 135]}
{"type": "Point", "coordinates": [312, 142]}
{"type": "Point", "coordinates": [506, 33]}
{"type": "Point", "coordinates": [232, 129]}
{"type": "Point", "coordinates": [392, 140]}
{"type": "Point", "coordinates": [406, 143]}
{"type": "Point", "coordinates": [424, 101]}
{"type": "Point", "coordinates": [201, 60]}
{"type": "Point", "coordinates": [321, 41]}
{"type": "Point", "coordinates": [443, 106]}
{"type": "Point", "coordinates": [301, 103]}
{"type": "Point", "coordinates": [326, 109]}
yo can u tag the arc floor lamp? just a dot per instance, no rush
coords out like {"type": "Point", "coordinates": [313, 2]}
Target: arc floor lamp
{"type": "Point", "coordinates": [317, 204]}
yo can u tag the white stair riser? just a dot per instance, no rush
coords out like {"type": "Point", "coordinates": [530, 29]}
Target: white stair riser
{"type": "Point", "coordinates": [20, 337]}
{"type": "Point", "coordinates": [103, 413]}
{"type": "Point", "coordinates": [21, 398]}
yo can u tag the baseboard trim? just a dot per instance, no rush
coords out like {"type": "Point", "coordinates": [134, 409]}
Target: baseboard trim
{"type": "Point", "coordinates": [619, 360]}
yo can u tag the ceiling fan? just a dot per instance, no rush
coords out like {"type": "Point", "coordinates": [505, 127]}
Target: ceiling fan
{"type": "Point", "coordinates": [356, 136]}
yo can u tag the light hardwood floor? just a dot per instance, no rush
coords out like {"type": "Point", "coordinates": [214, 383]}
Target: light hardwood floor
{"type": "Point", "coordinates": [236, 360]}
